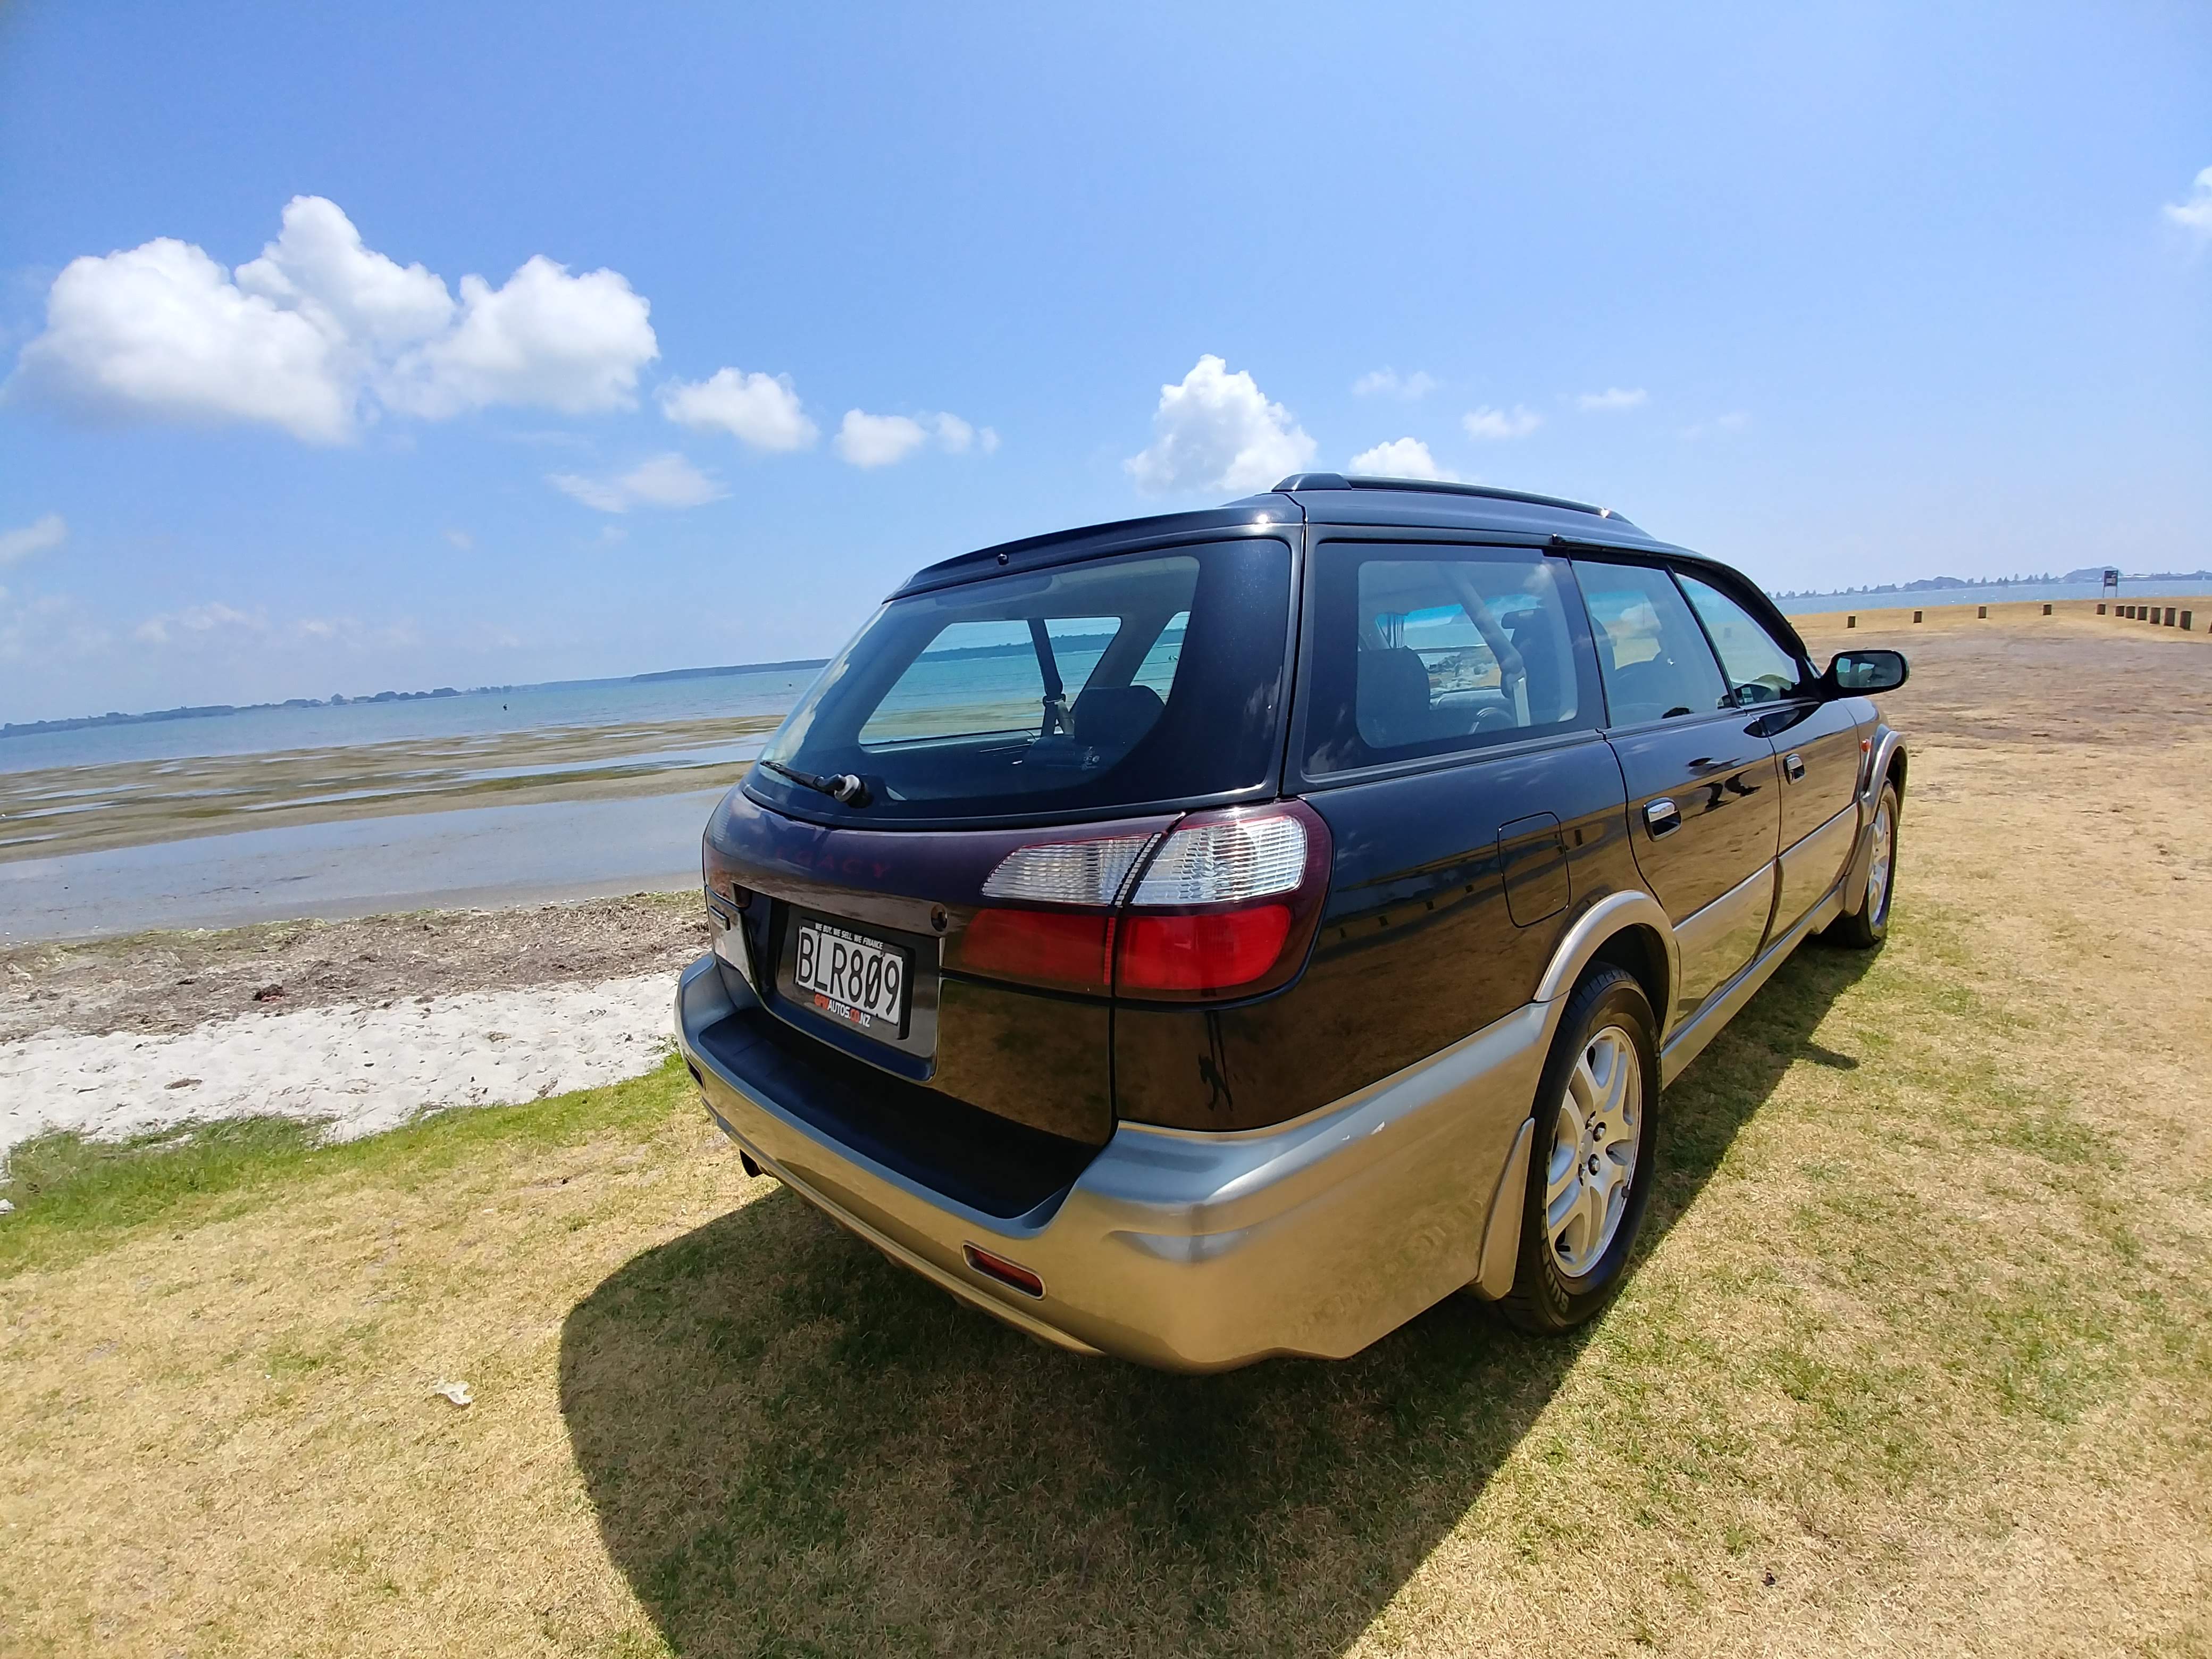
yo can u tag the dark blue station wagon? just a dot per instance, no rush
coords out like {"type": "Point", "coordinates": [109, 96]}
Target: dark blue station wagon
{"type": "Point", "coordinates": [1228, 933]}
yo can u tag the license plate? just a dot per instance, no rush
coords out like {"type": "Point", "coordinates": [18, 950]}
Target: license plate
{"type": "Point", "coordinates": [858, 980]}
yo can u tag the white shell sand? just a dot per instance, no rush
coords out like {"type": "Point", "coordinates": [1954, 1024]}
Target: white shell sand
{"type": "Point", "coordinates": [363, 1067]}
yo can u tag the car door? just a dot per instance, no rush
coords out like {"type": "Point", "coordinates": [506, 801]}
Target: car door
{"type": "Point", "coordinates": [1815, 740]}
{"type": "Point", "coordinates": [1704, 802]}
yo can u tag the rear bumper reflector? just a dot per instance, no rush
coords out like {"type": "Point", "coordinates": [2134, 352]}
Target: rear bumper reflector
{"type": "Point", "coordinates": [1005, 1271]}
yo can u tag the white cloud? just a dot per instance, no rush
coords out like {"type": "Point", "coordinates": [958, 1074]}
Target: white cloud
{"type": "Point", "coordinates": [461, 540]}
{"type": "Point", "coordinates": [879, 440]}
{"type": "Point", "coordinates": [321, 332]}
{"type": "Point", "coordinates": [1214, 430]}
{"type": "Point", "coordinates": [199, 620]}
{"type": "Point", "coordinates": [40, 536]}
{"type": "Point", "coordinates": [869, 441]}
{"type": "Point", "coordinates": [1612, 398]}
{"type": "Point", "coordinates": [1494, 425]}
{"type": "Point", "coordinates": [760, 410]}
{"type": "Point", "coordinates": [161, 332]}
{"type": "Point", "coordinates": [46, 627]}
{"type": "Point", "coordinates": [2195, 215]}
{"type": "Point", "coordinates": [1402, 458]}
{"type": "Point", "coordinates": [1388, 383]}
{"type": "Point", "coordinates": [317, 268]}
{"type": "Point", "coordinates": [545, 340]}
{"type": "Point", "coordinates": [665, 481]}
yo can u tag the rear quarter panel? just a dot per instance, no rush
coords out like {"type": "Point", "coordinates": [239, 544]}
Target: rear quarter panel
{"type": "Point", "coordinates": [1418, 947]}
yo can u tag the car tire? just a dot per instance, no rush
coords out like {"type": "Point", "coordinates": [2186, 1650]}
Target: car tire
{"type": "Point", "coordinates": [1575, 1237]}
{"type": "Point", "coordinates": [1866, 927]}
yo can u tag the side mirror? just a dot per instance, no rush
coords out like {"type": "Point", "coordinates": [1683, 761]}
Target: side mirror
{"type": "Point", "coordinates": [1855, 672]}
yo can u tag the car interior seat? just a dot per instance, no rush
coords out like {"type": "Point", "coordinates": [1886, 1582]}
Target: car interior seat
{"type": "Point", "coordinates": [1393, 695]}
{"type": "Point", "coordinates": [1113, 717]}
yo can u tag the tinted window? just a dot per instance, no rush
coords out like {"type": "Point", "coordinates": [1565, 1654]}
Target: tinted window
{"type": "Point", "coordinates": [1158, 668]}
{"type": "Point", "coordinates": [1651, 651]}
{"type": "Point", "coordinates": [1168, 671]}
{"type": "Point", "coordinates": [1756, 666]}
{"type": "Point", "coordinates": [983, 676]}
{"type": "Point", "coordinates": [1422, 651]}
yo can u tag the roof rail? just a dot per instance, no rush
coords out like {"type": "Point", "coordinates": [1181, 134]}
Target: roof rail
{"type": "Point", "coordinates": [1432, 486]}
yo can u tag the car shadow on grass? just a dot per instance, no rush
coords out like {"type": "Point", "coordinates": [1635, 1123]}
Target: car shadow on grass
{"type": "Point", "coordinates": [794, 1446]}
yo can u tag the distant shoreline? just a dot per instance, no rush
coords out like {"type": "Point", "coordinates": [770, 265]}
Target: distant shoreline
{"type": "Point", "coordinates": [1831, 599]}
{"type": "Point", "coordinates": [2094, 576]}
{"type": "Point", "coordinates": [213, 710]}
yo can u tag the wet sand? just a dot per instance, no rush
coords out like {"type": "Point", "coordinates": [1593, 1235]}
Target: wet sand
{"type": "Point", "coordinates": [57, 811]}
{"type": "Point", "coordinates": [474, 856]}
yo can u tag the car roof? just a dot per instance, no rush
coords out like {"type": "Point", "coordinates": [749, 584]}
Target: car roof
{"type": "Point", "coordinates": [1333, 498]}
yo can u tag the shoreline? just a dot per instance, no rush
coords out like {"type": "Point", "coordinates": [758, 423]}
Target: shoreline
{"type": "Point", "coordinates": [371, 1023]}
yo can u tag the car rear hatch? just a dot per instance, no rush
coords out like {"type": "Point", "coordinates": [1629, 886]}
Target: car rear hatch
{"type": "Point", "coordinates": [930, 872]}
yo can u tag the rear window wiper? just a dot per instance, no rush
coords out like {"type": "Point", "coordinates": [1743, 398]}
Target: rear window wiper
{"type": "Point", "coordinates": [847, 788]}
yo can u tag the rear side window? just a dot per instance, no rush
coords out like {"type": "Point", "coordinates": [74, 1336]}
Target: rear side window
{"type": "Point", "coordinates": [1758, 669]}
{"type": "Point", "coordinates": [1429, 650]}
{"type": "Point", "coordinates": [1112, 684]}
{"type": "Point", "coordinates": [1651, 651]}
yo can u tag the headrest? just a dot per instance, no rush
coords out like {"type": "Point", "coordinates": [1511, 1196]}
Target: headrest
{"type": "Point", "coordinates": [1393, 697]}
{"type": "Point", "coordinates": [1115, 716]}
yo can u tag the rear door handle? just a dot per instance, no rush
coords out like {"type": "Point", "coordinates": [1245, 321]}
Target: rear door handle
{"type": "Point", "coordinates": [1793, 767]}
{"type": "Point", "coordinates": [1663, 818]}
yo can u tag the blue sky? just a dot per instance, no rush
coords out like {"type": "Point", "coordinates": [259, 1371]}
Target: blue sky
{"type": "Point", "coordinates": [1841, 293]}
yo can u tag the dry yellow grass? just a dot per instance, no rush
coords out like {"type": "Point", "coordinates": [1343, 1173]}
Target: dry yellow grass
{"type": "Point", "coordinates": [1916, 1359]}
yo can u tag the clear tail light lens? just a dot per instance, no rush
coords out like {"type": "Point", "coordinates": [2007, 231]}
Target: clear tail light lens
{"type": "Point", "coordinates": [1067, 871]}
{"type": "Point", "coordinates": [1226, 863]}
{"type": "Point", "coordinates": [1227, 907]}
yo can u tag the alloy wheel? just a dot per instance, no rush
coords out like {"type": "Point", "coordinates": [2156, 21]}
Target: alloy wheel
{"type": "Point", "coordinates": [1593, 1150]}
{"type": "Point", "coordinates": [1877, 898]}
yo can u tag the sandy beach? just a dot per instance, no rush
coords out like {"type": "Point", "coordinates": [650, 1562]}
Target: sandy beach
{"type": "Point", "coordinates": [358, 1024]}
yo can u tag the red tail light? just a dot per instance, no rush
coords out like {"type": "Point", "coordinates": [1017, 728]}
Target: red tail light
{"type": "Point", "coordinates": [1066, 950]}
{"type": "Point", "coordinates": [1224, 905]}
{"type": "Point", "coordinates": [1205, 952]}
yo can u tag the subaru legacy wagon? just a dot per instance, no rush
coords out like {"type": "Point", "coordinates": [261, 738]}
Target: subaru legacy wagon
{"type": "Point", "coordinates": [1229, 933]}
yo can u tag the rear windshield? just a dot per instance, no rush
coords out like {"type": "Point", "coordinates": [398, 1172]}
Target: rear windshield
{"type": "Point", "coordinates": [1155, 678]}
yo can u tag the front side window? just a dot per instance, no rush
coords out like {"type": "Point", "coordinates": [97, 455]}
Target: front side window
{"type": "Point", "coordinates": [1651, 651]}
{"type": "Point", "coordinates": [1758, 669]}
{"type": "Point", "coordinates": [1429, 650]}
{"type": "Point", "coordinates": [1103, 684]}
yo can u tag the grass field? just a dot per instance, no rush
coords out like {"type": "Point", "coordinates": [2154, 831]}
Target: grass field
{"type": "Point", "coordinates": [1916, 1359]}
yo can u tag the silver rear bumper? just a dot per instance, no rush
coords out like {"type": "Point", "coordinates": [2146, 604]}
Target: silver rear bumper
{"type": "Point", "coordinates": [1194, 1252]}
